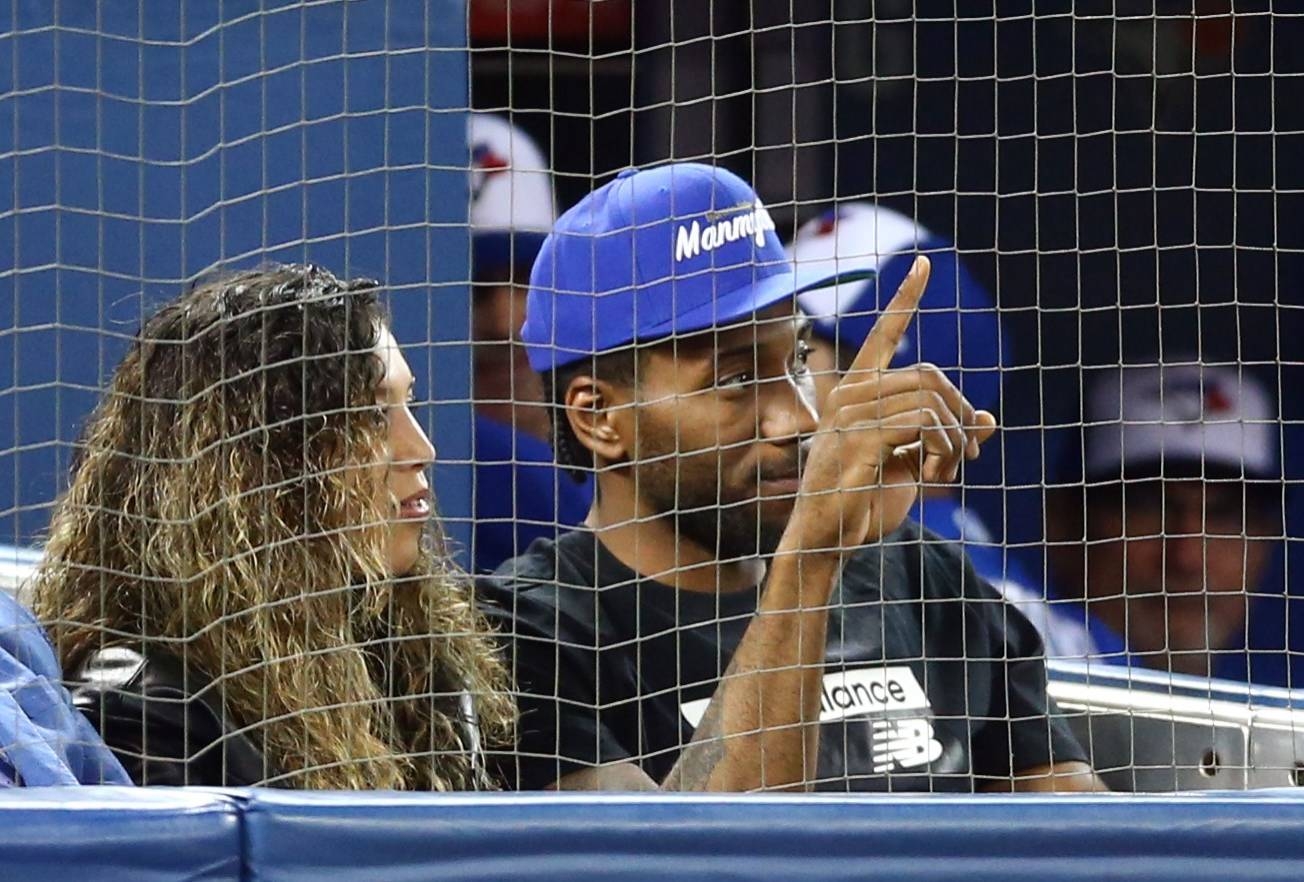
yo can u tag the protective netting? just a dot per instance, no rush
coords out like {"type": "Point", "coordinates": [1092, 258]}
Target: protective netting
{"type": "Point", "coordinates": [1109, 201]}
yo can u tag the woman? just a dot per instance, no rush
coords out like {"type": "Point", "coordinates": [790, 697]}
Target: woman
{"type": "Point", "coordinates": [244, 579]}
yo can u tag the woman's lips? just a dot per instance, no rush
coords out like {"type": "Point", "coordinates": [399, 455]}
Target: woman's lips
{"type": "Point", "coordinates": [415, 507]}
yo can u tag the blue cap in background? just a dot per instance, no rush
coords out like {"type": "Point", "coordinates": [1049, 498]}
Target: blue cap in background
{"type": "Point", "coordinates": [957, 329]}
{"type": "Point", "coordinates": [656, 252]}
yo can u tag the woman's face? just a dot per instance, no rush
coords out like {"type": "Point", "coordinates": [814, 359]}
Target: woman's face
{"type": "Point", "coordinates": [409, 455]}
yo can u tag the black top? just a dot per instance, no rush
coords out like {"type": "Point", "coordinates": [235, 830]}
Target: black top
{"type": "Point", "coordinates": [932, 682]}
{"type": "Point", "coordinates": [164, 721]}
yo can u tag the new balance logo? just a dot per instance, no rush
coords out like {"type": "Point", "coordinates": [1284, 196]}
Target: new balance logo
{"type": "Point", "coordinates": [870, 690]}
{"type": "Point", "coordinates": [694, 239]}
{"type": "Point", "coordinates": [855, 693]}
{"type": "Point", "coordinates": [901, 736]}
{"type": "Point", "coordinates": [903, 744]}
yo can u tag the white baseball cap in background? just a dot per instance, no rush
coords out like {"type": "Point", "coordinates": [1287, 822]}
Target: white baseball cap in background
{"type": "Point", "coordinates": [1180, 419]}
{"type": "Point", "coordinates": [957, 326]}
{"type": "Point", "coordinates": [512, 203]}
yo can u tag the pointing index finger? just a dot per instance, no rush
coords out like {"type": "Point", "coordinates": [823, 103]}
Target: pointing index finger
{"type": "Point", "coordinates": [883, 339]}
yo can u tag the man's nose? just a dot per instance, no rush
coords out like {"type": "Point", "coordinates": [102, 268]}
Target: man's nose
{"type": "Point", "coordinates": [1185, 539]}
{"type": "Point", "coordinates": [1185, 553]}
{"type": "Point", "coordinates": [786, 413]}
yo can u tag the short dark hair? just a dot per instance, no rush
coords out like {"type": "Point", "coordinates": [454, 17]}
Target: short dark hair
{"type": "Point", "coordinates": [620, 366]}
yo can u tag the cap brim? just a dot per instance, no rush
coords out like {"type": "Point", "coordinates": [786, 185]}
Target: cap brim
{"type": "Point", "coordinates": [498, 249]}
{"type": "Point", "coordinates": [749, 300]}
{"type": "Point", "coordinates": [1178, 467]}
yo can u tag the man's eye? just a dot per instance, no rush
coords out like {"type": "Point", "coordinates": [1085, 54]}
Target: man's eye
{"type": "Point", "coordinates": [801, 359]}
{"type": "Point", "coordinates": [738, 380]}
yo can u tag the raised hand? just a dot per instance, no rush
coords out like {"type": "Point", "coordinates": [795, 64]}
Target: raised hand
{"type": "Point", "coordinates": [881, 433]}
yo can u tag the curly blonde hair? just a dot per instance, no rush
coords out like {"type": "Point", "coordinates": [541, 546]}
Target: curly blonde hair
{"type": "Point", "coordinates": [228, 507]}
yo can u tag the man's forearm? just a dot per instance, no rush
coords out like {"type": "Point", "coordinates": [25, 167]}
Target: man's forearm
{"type": "Point", "coordinates": [761, 729]}
{"type": "Point", "coordinates": [1072, 777]}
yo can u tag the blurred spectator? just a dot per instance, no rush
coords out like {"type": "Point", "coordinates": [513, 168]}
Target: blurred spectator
{"type": "Point", "coordinates": [44, 740]}
{"type": "Point", "coordinates": [520, 495]}
{"type": "Point", "coordinates": [246, 577]}
{"type": "Point", "coordinates": [957, 328]}
{"type": "Point", "coordinates": [1176, 516]}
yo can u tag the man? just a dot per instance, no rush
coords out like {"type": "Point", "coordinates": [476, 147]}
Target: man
{"type": "Point", "coordinates": [749, 608]}
{"type": "Point", "coordinates": [519, 493]}
{"type": "Point", "coordinates": [958, 329]}
{"type": "Point", "coordinates": [1177, 519]}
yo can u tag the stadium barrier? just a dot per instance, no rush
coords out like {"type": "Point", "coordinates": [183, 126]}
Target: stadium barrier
{"type": "Point", "coordinates": [154, 835]}
{"type": "Point", "coordinates": [1152, 732]}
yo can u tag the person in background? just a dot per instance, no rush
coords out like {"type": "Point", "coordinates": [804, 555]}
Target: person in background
{"type": "Point", "coordinates": [44, 740]}
{"type": "Point", "coordinates": [1164, 527]}
{"type": "Point", "coordinates": [245, 580]}
{"type": "Point", "coordinates": [520, 495]}
{"type": "Point", "coordinates": [958, 329]}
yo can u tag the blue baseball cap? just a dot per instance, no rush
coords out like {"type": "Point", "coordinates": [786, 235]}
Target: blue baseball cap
{"type": "Point", "coordinates": [656, 252]}
{"type": "Point", "coordinates": [957, 327]}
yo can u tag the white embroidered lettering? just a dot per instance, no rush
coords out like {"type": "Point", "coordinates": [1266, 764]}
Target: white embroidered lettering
{"type": "Point", "coordinates": [688, 243]}
{"type": "Point", "coordinates": [694, 239]}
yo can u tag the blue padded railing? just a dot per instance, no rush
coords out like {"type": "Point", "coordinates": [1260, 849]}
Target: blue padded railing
{"type": "Point", "coordinates": [152, 835]}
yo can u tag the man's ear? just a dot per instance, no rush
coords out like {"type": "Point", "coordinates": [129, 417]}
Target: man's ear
{"type": "Point", "coordinates": [593, 409]}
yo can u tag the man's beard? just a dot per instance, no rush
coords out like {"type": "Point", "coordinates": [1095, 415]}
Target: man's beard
{"type": "Point", "coordinates": [735, 529]}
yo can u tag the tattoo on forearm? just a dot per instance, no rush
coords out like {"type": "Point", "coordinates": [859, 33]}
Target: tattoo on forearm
{"type": "Point", "coordinates": [700, 757]}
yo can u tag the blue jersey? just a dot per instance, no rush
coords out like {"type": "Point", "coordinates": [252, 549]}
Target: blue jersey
{"type": "Point", "coordinates": [520, 494]}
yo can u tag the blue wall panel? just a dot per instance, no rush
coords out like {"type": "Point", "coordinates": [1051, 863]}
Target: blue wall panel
{"type": "Point", "coordinates": [145, 141]}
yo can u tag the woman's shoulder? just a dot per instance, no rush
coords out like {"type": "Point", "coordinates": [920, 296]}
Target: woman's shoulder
{"type": "Point", "coordinates": [164, 719]}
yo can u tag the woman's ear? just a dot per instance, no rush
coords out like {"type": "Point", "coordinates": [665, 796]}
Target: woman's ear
{"type": "Point", "coordinates": [592, 409]}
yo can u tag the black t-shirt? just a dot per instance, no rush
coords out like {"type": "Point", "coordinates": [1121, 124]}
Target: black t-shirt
{"type": "Point", "coordinates": [932, 682]}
